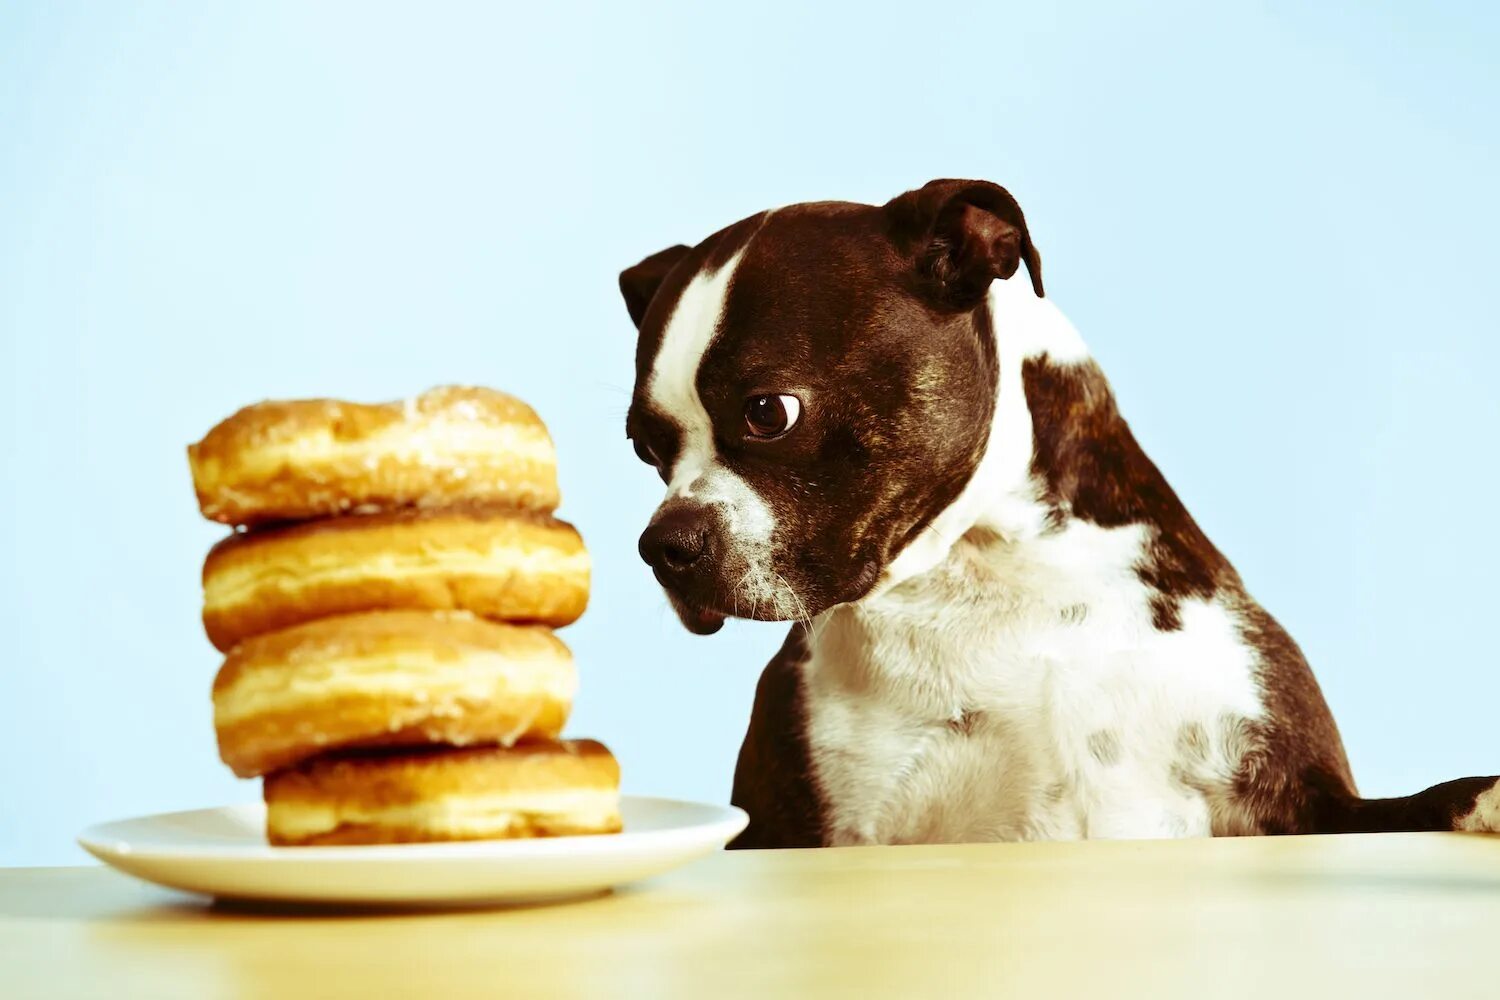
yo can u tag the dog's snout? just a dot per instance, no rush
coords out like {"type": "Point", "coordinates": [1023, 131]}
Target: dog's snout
{"type": "Point", "coordinates": [682, 549]}
{"type": "Point", "coordinates": [676, 540]}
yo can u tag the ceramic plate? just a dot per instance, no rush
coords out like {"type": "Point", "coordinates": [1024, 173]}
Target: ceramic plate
{"type": "Point", "coordinates": [223, 852]}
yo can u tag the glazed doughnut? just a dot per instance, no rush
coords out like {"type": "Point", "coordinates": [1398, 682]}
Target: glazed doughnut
{"type": "Point", "coordinates": [497, 563]}
{"type": "Point", "coordinates": [534, 790]}
{"type": "Point", "coordinates": [388, 678]}
{"type": "Point", "coordinates": [290, 461]}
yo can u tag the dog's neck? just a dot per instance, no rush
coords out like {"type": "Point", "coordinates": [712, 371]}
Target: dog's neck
{"type": "Point", "coordinates": [1063, 510]}
{"type": "Point", "coordinates": [1007, 496]}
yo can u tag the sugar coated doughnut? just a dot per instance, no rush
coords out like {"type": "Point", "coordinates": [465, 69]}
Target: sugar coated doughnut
{"type": "Point", "coordinates": [497, 563]}
{"type": "Point", "coordinates": [388, 678]}
{"type": "Point", "coordinates": [291, 461]}
{"type": "Point", "coordinates": [532, 790]}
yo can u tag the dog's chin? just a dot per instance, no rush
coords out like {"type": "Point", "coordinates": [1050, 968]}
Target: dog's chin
{"type": "Point", "coordinates": [706, 619]}
{"type": "Point", "coordinates": [699, 621]}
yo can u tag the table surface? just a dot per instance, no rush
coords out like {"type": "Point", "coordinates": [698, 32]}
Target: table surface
{"type": "Point", "coordinates": [1411, 915]}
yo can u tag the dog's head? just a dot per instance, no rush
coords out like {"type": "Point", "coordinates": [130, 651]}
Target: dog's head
{"type": "Point", "coordinates": [814, 384]}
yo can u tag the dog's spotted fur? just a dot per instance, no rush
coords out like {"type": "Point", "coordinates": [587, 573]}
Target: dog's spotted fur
{"type": "Point", "coordinates": [1007, 624]}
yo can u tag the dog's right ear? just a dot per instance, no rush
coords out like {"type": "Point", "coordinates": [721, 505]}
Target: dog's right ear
{"type": "Point", "coordinates": [639, 283]}
{"type": "Point", "coordinates": [963, 235]}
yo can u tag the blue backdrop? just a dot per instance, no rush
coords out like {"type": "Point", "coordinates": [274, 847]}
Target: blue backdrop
{"type": "Point", "coordinates": [1276, 226]}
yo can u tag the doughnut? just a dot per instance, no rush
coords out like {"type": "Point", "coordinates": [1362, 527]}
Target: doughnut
{"type": "Point", "coordinates": [388, 678]}
{"type": "Point", "coordinates": [498, 563]}
{"type": "Point", "coordinates": [436, 793]}
{"type": "Point", "coordinates": [300, 459]}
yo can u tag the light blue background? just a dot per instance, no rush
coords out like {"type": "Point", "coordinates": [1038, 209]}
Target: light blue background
{"type": "Point", "coordinates": [1276, 226]}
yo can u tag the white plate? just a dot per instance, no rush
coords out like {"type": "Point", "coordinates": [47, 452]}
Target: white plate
{"type": "Point", "coordinates": [223, 852]}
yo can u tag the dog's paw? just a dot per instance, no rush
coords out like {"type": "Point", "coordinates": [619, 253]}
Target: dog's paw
{"type": "Point", "coordinates": [1485, 816]}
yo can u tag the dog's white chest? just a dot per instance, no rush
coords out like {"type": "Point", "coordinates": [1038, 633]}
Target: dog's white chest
{"type": "Point", "coordinates": [1025, 694]}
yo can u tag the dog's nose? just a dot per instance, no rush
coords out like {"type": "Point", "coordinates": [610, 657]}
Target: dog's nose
{"type": "Point", "coordinates": [676, 540]}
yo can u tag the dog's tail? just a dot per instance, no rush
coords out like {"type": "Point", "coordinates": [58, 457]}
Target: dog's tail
{"type": "Point", "coordinates": [1466, 804]}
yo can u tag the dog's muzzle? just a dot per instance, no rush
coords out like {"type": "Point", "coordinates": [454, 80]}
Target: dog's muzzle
{"type": "Point", "coordinates": [682, 547]}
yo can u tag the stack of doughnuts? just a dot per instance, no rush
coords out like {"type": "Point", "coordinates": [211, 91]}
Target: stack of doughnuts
{"type": "Point", "coordinates": [386, 606]}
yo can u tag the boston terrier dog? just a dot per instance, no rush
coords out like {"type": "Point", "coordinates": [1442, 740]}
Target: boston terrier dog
{"type": "Point", "coordinates": [1006, 626]}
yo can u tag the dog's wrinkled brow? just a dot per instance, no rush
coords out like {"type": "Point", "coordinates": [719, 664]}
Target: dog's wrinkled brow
{"type": "Point", "coordinates": [646, 426]}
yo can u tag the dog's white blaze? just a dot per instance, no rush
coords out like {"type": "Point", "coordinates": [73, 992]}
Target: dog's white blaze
{"type": "Point", "coordinates": [673, 387]}
{"type": "Point", "coordinates": [1011, 684]}
{"type": "Point", "coordinates": [697, 473]}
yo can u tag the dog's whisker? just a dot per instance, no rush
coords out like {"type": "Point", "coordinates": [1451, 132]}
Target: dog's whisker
{"type": "Point", "coordinates": [738, 588]}
{"type": "Point", "coordinates": [799, 605]}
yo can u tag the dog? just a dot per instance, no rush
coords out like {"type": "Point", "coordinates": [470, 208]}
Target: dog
{"type": "Point", "coordinates": [873, 424]}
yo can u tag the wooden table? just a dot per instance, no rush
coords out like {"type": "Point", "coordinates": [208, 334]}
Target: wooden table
{"type": "Point", "coordinates": [1412, 915]}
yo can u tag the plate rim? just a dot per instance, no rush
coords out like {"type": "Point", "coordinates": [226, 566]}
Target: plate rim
{"type": "Point", "coordinates": [730, 819]}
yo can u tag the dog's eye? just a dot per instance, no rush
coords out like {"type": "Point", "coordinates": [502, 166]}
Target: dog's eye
{"type": "Point", "coordinates": [771, 416]}
{"type": "Point", "coordinates": [644, 453]}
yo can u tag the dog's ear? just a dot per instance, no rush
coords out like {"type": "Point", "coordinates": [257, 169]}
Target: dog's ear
{"type": "Point", "coordinates": [963, 235]}
{"type": "Point", "coordinates": [639, 283]}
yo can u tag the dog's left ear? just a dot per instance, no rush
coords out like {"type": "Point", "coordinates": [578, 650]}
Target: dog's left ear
{"type": "Point", "coordinates": [639, 283]}
{"type": "Point", "coordinates": [963, 235]}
